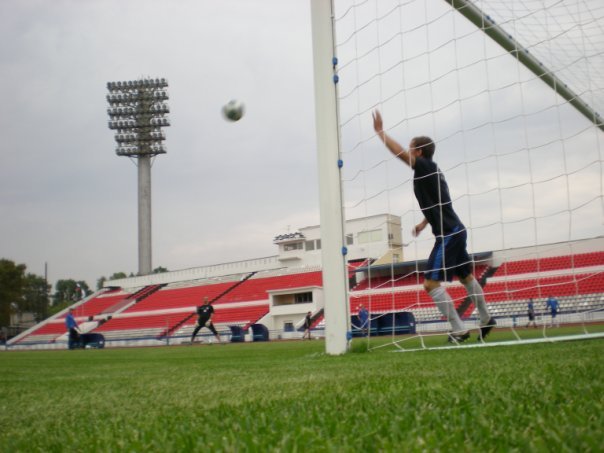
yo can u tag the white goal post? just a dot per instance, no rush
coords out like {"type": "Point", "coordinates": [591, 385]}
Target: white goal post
{"type": "Point", "coordinates": [335, 280]}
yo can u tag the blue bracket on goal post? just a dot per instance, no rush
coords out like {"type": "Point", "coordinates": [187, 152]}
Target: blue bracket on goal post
{"type": "Point", "coordinates": [334, 62]}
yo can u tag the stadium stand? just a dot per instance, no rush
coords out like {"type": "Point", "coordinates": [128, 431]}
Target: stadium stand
{"type": "Point", "coordinates": [167, 311]}
{"type": "Point", "coordinates": [146, 326]}
{"type": "Point", "coordinates": [46, 333]}
{"type": "Point", "coordinates": [550, 264]}
{"type": "Point", "coordinates": [507, 288]}
{"type": "Point", "coordinates": [257, 287]}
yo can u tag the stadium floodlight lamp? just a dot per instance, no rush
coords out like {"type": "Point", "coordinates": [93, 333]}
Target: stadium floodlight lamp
{"type": "Point", "coordinates": [137, 112]}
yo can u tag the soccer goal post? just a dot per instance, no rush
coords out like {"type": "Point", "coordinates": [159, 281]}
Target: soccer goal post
{"type": "Point", "coordinates": [335, 281]}
{"type": "Point", "coordinates": [511, 92]}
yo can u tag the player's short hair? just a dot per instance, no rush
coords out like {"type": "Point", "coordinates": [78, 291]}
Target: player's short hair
{"type": "Point", "coordinates": [426, 145]}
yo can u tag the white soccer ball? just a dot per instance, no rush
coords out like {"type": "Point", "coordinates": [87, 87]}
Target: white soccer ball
{"type": "Point", "coordinates": [233, 110]}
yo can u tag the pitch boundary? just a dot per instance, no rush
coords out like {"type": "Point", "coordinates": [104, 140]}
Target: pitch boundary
{"type": "Point", "coordinates": [586, 336]}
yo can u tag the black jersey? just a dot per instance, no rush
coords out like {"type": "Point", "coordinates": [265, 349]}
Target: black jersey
{"type": "Point", "coordinates": [307, 322]}
{"type": "Point", "coordinates": [205, 311]}
{"type": "Point", "coordinates": [432, 193]}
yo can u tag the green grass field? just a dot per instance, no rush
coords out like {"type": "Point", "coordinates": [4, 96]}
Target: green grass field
{"type": "Point", "coordinates": [290, 396]}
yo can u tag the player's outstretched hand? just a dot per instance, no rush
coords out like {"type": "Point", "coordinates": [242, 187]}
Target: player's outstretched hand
{"type": "Point", "coordinates": [378, 125]}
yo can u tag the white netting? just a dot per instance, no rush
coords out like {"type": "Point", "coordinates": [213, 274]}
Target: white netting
{"type": "Point", "coordinates": [524, 167]}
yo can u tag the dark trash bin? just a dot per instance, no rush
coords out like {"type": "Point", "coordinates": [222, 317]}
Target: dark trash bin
{"type": "Point", "coordinates": [259, 332]}
{"type": "Point", "coordinates": [237, 334]}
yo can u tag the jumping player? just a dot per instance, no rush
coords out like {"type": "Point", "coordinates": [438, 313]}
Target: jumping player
{"type": "Point", "coordinates": [449, 255]}
{"type": "Point", "coordinates": [205, 313]}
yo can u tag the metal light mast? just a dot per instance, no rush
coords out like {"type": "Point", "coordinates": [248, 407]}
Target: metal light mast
{"type": "Point", "coordinates": [137, 112]}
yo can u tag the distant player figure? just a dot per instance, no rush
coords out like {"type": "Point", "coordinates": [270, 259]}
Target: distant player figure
{"type": "Point", "coordinates": [73, 329]}
{"type": "Point", "coordinates": [205, 313]}
{"type": "Point", "coordinates": [531, 314]}
{"type": "Point", "coordinates": [552, 305]}
{"type": "Point", "coordinates": [307, 324]}
{"type": "Point", "coordinates": [449, 255]}
{"type": "Point", "coordinates": [363, 319]}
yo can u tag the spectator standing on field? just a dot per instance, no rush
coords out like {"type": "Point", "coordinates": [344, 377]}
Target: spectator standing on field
{"type": "Point", "coordinates": [363, 319]}
{"type": "Point", "coordinates": [72, 328]}
{"type": "Point", "coordinates": [552, 305]}
{"type": "Point", "coordinates": [531, 314]}
{"type": "Point", "coordinates": [307, 324]}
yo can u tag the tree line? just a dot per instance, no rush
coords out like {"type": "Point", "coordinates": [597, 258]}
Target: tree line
{"type": "Point", "coordinates": [24, 292]}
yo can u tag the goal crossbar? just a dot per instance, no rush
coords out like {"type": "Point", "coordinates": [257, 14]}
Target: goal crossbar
{"type": "Point", "coordinates": [484, 22]}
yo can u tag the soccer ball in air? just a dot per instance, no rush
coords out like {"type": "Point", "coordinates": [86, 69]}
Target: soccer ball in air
{"type": "Point", "coordinates": [233, 110]}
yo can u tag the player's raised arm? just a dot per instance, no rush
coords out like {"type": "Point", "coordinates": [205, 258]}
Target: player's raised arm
{"type": "Point", "coordinates": [394, 147]}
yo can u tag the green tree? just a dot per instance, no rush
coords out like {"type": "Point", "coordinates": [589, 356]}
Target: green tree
{"type": "Point", "coordinates": [69, 291]}
{"type": "Point", "coordinates": [11, 288]}
{"type": "Point", "coordinates": [115, 276]}
{"type": "Point", "coordinates": [160, 270]}
{"type": "Point", "coordinates": [35, 296]}
{"type": "Point", "coordinates": [100, 282]}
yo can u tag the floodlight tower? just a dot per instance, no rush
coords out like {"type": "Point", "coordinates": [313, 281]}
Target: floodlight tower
{"type": "Point", "coordinates": [137, 112]}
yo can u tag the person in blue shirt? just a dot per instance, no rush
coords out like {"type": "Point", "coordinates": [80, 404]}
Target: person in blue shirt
{"type": "Point", "coordinates": [552, 305]}
{"type": "Point", "coordinates": [531, 314]}
{"type": "Point", "coordinates": [363, 319]}
{"type": "Point", "coordinates": [449, 255]}
{"type": "Point", "coordinates": [73, 329]}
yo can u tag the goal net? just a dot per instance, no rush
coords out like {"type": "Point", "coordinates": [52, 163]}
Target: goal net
{"type": "Point", "coordinates": [510, 93]}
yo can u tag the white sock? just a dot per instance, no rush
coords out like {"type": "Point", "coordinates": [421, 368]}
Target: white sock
{"type": "Point", "coordinates": [443, 301]}
{"type": "Point", "coordinates": [477, 295]}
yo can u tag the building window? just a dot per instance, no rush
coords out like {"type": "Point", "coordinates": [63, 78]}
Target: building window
{"type": "Point", "coordinates": [370, 236]}
{"type": "Point", "coordinates": [313, 244]}
{"type": "Point", "coordinates": [349, 239]}
{"type": "Point", "coordinates": [294, 246]}
{"type": "Point", "coordinates": [303, 298]}
{"type": "Point", "coordinates": [288, 326]}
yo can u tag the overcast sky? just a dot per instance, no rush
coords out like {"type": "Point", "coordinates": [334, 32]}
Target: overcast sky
{"type": "Point", "coordinates": [68, 200]}
{"type": "Point", "coordinates": [223, 190]}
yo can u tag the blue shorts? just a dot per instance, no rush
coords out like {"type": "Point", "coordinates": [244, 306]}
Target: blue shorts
{"type": "Point", "coordinates": [449, 257]}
